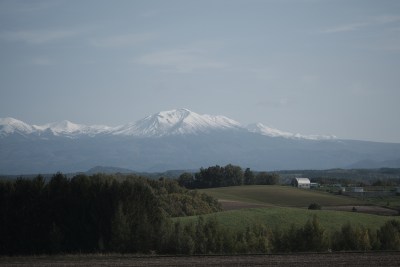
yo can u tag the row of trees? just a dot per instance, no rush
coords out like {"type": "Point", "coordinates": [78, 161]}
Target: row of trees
{"type": "Point", "coordinates": [90, 214]}
{"type": "Point", "coordinates": [209, 236]}
{"type": "Point", "coordinates": [230, 175]}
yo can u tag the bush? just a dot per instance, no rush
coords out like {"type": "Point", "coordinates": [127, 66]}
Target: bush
{"type": "Point", "coordinates": [314, 206]}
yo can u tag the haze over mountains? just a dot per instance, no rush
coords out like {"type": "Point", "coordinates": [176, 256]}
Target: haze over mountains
{"type": "Point", "coordinates": [178, 139]}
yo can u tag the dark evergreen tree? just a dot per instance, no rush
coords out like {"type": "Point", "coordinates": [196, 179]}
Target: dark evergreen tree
{"type": "Point", "coordinates": [186, 180]}
{"type": "Point", "coordinates": [249, 177]}
{"type": "Point", "coordinates": [265, 178]}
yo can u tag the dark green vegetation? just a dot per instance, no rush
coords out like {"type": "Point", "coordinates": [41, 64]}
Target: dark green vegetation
{"type": "Point", "coordinates": [205, 235]}
{"type": "Point", "coordinates": [314, 206]}
{"type": "Point", "coordinates": [230, 175]}
{"type": "Point", "coordinates": [92, 213]}
{"type": "Point", "coordinates": [132, 214]}
{"type": "Point", "coordinates": [283, 218]}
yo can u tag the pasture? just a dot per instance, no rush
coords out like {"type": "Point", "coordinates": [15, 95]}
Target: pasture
{"type": "Point", "coordinates": [284, 217]}
{"type": "Point", "coordinates": [281, 196]}
{"type": "Point", "coordinates": [282, 206]}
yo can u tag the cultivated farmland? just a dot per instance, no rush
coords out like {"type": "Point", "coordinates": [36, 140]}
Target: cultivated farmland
{"type": "Point", "coordinates": [283, 206]}
{"type": "Point", "coordinates": [282, 196]}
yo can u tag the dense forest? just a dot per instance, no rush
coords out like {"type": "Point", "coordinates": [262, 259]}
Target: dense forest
{"type": "Point", "coordinates": [92, 213]}
{"type": "Point", "coordinates": [230, 175]}
{"type": "Point", "coordinates": [132, 214]}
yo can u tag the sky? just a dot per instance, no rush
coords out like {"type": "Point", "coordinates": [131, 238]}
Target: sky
{"type": "Point", "coordinates": [303, 66]}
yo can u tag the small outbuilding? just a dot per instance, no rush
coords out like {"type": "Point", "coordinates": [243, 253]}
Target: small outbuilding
{"type": "Point", "coordinates": [301, 183]}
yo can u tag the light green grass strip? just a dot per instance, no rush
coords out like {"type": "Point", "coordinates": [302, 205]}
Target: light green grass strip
{"type": "Point", "coordinates": [280, 217]}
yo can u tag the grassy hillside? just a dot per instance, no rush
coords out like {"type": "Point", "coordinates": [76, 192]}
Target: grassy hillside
{"type": "Point", "coordinates": [281, 206]}
{"type": "Point", "coordinates": [283, 217]}
{"type": "Point", "coordinates": [275, 195]}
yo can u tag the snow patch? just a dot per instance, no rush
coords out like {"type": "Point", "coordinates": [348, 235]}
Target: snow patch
{"type": "Point", "coordinates": [268, 131]}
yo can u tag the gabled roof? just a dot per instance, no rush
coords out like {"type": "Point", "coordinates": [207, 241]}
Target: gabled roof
{"type": "Point", "coordinates": [303, 180]}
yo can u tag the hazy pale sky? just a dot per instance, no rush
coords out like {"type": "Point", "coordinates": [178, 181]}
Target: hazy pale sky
{"type": "Point", "coordinates": [305, 66]}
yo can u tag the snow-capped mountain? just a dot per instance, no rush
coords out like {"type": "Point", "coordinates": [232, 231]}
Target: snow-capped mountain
{"type": "Point", "coordinates": [65, 128]}
{"type": "Point", "coordinates": [178, 139]}
{"type": "Point", "coordinates": [176, 122]}
{"type": "Point", "coordinates": [70, 129]}
{"type": "Point", "coordinates": [13, 126]}
{"type": "Point", "coordinates": [165, 123]}
{"type": "Point", "coordinates": [271, 132]}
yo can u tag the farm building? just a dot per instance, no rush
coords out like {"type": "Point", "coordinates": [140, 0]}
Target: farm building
{"type": "Point", "coordinates": [301, 183]}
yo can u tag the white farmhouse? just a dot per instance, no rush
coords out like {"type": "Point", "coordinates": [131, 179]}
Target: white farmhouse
{"type": "Point", "coordinates": [301, 183]}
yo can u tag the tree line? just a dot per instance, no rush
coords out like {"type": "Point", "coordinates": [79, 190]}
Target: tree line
{"type": "Point", "coordinates": [131, 214]}
{"type": "Point", "coordinates": [208, 236]}
{"type": "Point", "coordinates": [92, 213]}
{"type": "Point", "coordinates": [230, 175]}
{"type": "Point", "coordinates": [360, 177]}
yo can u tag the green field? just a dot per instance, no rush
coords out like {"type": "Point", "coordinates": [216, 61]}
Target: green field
{"type": "Point", "coordinates": [282, 206]}
{"type": "Point", "coordinates": [284, 217]}
{"type": "Point", "coordinates": [388, 201]}
{"type": "Point", "coordinates": [283, 196]}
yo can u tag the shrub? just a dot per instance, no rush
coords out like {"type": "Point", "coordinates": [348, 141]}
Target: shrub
{"type": "Point", "coordinates": [314, 206]}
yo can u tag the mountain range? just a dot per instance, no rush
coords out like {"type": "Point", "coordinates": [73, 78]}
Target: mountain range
{"type": "Point", "coordinates": [178, 139]}
{"type": "Point", "coordinates": [165, 123]}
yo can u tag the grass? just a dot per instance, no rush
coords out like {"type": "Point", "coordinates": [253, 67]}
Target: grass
{"type": "Point", "coordinates": [285, 205]}
{"type": "Point", "coordinates": [388, 201]}
{"type": "Point", "coordinates": [283, 196]}
{"type": "Point", "coordinates": [284, 217]}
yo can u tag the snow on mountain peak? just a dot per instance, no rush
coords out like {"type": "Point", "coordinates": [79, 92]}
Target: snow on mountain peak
{"type": "Point", "coordinates": [165, 123]}
{"type": "Point", "coordinates": [177, 121]}
{"type": "Point", "coordinates": [63, 127]}
{"type": "Point", "coordinates": [11, 125]}
{"type": "Point", "coordinates": [268, 131]}
{"type": "Point", "coordinates": [66, 128]}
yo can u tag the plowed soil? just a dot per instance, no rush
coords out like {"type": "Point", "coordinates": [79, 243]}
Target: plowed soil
{"type": "Point", "coordinates": [303, 259]}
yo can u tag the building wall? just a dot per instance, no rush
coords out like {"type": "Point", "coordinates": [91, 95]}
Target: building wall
{"type": "Point", "coordinates": [298, 184]}
{"type": "Point", "coordinates": [301, 185]}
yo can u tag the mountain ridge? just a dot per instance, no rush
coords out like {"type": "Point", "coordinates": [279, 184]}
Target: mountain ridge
{"type": "Point", "coordinates": [178, 139]}
{"type": "Point", "coordinates": [173, 122]}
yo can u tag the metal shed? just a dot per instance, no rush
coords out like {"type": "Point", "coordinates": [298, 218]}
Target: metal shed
{"type": "Point", "coordinates": [301, 183]}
